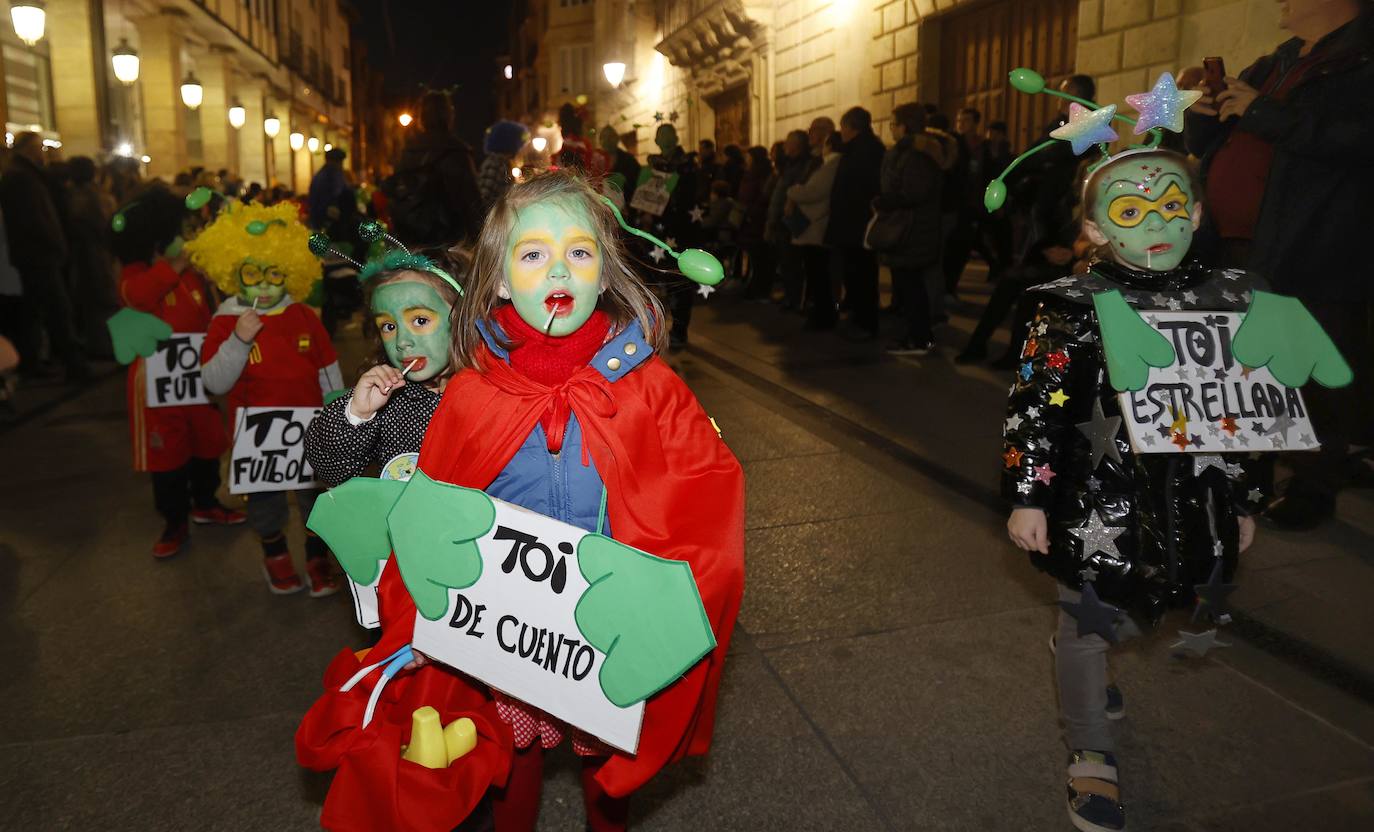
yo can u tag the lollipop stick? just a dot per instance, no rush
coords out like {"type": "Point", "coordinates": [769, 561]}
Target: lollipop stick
{"type": "Point", "coordinates": [255, 303]}
{"type": "Point", "coordinates": [549, 325]}
{"type": "Point", "coordinates": [387, 389]}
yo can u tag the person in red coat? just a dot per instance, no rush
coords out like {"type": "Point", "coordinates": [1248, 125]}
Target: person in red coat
{"type": "Point", "coordinates": [180, 445]}
{"type": "Point", "coordinates": [562, 405]}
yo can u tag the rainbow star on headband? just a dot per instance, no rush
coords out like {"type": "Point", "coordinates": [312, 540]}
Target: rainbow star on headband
{"type": "Point", "coordinates": [1087, 127]}
{"type": "Point", "coordinates": [1162, 106]}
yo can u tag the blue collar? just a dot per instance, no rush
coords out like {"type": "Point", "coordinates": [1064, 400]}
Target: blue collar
{"type": "Point", "coordinates": [614, 360]}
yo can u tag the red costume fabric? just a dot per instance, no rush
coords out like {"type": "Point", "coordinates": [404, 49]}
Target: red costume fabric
{"type": "Point", "coordinates": [284, 365]}
{"type": "Point", "coordinates": [166, 438]}
{"type": "Point", "coordinates": [550, 359]}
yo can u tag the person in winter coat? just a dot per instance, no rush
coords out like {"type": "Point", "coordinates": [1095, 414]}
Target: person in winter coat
{"type": "Point", "coordinates": [808, 216]}
{"type": "Point", "coordinates": [792, 170]}
{"type": "Point", "coordinates": [909, 208]}
{"type": "Point", "coordinates": [503, 140]}
{"type": "Point", "coordinates": [1286, 163]}
{"type": "Point", "coordinates": [433, 195]}
{"type": "Point", "coordinates": [755, 193]}
{"type": "Point", "coordinates": [856, 184]}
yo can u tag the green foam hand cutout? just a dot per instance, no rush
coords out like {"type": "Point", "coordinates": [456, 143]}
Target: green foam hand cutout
{"type": "Point", "coordinates": [352, 520]}
{"type": "Point", "coordinates": [700, 267]}
{"type": "Point", "coordinates": [1280, 333]}
{"type": "Point", "coordinates": [434, 531]}
{"type": "Point", "coordinates": [644, 613]}
{"type": "Point", "coordinates": [134, 333]}
{"type": "Point", "coordinates": [645, 173]}
{"type": "Point", "coordinates": [1132, 346]}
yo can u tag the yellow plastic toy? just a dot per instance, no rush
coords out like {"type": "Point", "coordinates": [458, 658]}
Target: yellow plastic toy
{"type": "Point", "coordinates": [433, 745]}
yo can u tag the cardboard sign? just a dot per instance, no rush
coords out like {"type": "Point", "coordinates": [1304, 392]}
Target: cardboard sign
{"type": "Point", "coordinates": [653, 194]}
{"type": "Point", "coordinates": [514, 629]}
{"type": "Point", "coordinates": [1206, 402]}
{"type": "Point", "coordinates": [269, 450]}
{"type": "Point", "coordinates": [173, 372]}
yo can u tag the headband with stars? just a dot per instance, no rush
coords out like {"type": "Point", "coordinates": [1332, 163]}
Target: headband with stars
{"type": "Point", "coordinates": [1090, 124]}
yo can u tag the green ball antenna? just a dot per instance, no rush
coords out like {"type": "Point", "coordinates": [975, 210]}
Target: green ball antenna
{"type": "Point", "coordinates": [696, 265]}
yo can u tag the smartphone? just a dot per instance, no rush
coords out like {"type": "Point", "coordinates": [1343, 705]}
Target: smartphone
{"type": "Point", "coordinates": [1214, 75]}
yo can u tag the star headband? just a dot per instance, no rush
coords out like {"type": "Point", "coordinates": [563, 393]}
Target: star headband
{"type": "Point", "coordinates": [397, 259]}
{"type": "Point", "coordinates": [1089, 123]}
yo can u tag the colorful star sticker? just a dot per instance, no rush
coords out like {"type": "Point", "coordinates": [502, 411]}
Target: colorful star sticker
{"type": "Point", "coordinates": [1162, 106]}
{"type": "Point", "coordinates": [1043, 473]}
{"type": "Point", "coordinates": [1012, 457]}
{"type": "Point", "coordinates": [1057, 360]}
{"type": "Point", "coordinates": [1030, 349]}
{"type": "Point", "coordinates": [1026, 371]}
{"type": "Point", "coordinates": [1058, 397]}
{"type": "Point", "coordinates": [656, 253]}
{"type": "Point", "coordinates": [705, 291]}
{"type": "Point", "coordinates": [1086, 128]}
{"type": "Point", "coordinates": [1181, 440]}
{"type": "Point", "coordinates": [696, 214]}
{"type": "Point", "coordinates": [1228, 424]}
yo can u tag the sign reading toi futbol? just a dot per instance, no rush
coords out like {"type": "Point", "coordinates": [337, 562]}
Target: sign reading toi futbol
{"type": "Point", "coordinates": [269, 450]}
{"type": "Point", "coordinates": [1208, 402]}
{"type": "Point", "coordinates": [172, 374]}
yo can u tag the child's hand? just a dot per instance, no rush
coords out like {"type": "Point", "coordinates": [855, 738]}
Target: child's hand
{"type": "Point", "coordinates": [1247, 533]}
{"type": "Point", "coordinates": [1028, 529]}
{"type": "Point", "coordinates": [420, 660]}
{"type": "Point", "coordinates": [248, 327]}
{"type": "Point", "coordinates": [374, 390]}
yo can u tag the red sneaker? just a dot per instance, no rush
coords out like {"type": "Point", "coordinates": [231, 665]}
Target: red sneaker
{"type": "Point", "coordinates": [172, 540]}
{"type": "Point", "coordinates": [281, 575]}
{"type": "Point", "coordinates": [217, 516]}
{"type": "Point", "coordinates": [322, 580]}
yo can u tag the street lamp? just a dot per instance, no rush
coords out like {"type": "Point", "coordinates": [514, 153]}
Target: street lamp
{"type": "Point", "coordinates": [297, 141]}
{"type": "Point", "coordinates": [328, 147]}
{"type": "Point", "coordinates": [30, 18]}
{"type": "Point", "coordinates": [509, 72]}
{"type": "Point", "coordinates": [405, 119]}
{"type": "Point", "coordinates": [313, 143]}
{"type": "Point", "coordinates": [539, 143]}
{"type": "Point", "coordinates": [615, 72]}
{"type": "Point", "coordinates": [237, 115]}
{"type": "Point", "coordinates": [271, 126]}
{"type": "Point", "coordinates": [125, 60]}
{"type": "Point", "coordinates": [192, 93]}
{"type": "Point", "coordinates": [124, 149]}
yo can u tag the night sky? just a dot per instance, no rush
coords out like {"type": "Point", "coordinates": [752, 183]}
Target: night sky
{"type": "Point", "coordinates": [439, 43]}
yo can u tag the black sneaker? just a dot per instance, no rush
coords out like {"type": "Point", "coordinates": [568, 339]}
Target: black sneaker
{"type": "Point", "coordinates": [972, 354]}
{"type": "Point", "coordinates": [907, 346]}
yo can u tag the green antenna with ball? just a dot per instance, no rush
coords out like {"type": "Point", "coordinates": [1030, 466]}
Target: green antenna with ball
{"type": "Point", "coordinates": [696, 265]}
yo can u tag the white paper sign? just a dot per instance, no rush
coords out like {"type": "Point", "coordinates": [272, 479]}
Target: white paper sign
{"type": "Point", "coordinates": [514, 629]}
{"type": "Point", "coordinates": [173, 372]}
{"type": "Point", "coordinates": [652, 195]}
{"type": "Point", "coordinates": [269, 450]}
{"type": "Point", "coordinates": [1206, 402]}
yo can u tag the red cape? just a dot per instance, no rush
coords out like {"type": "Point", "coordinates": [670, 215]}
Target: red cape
{"type": "Point", "coordinates": [673, 490]}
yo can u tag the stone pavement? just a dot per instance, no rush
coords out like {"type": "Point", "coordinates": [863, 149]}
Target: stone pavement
{"type": "Point", "coordinates": [889, 671]}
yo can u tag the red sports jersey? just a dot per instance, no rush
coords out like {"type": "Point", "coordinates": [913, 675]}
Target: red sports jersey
{"type": "Point", "coordinates": [283, 368]}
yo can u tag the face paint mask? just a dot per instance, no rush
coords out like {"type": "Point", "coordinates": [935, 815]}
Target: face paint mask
{"type": "Point", "coordinates": [413, 320]}
{"type": "Point", "coordinates": [553, 267]}
{"type": "Point", "coordinates": [1146, 210]}
{"type": "Point", "coordinates": [261, 282]}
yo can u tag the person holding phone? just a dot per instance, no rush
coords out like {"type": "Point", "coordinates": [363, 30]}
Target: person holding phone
{"type": "Point", "coordinates": [1286, 152]}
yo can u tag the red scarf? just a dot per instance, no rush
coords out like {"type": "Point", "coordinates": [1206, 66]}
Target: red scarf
{"type": "Point", "coordinates": [551, 360]}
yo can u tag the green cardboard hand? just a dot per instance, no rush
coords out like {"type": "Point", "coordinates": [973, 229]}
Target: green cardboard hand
{"type": "Point", "coordinates": [136, 333]}
{"type": "Point", "coordinates": [352, 520]}
{"type": "Point", "coordinates": [434, 532]}
{"type": "Point", "coordinates": [644, 613]}
{"type": "Point", "coordinates": [1132, 346]}
{"type": "Point", "coordinates": [1279, 333]}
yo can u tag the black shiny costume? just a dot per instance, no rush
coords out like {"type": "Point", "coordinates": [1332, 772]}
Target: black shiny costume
{"type": "Point", "coordinates": [1170, 534]}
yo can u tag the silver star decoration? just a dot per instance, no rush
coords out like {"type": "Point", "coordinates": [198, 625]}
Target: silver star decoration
{"type": "Point", "coordinates": [1101, 433]}
{"type": "Point", "coordinates": [1094, 484]}
{"type": "Point", "coordinates": [1190, 296]}
{"type": "Point", "coordinates": [1234, 469]}
{"type": "Point", "coordinates": [1174, 304]}
{"type": "Point", "coordinates": [1232, 274]}
{"type": "Point", "coordinates": [1200, 372]}
{"type": "Point", "coordinates": [1198, 643]}
{"type": "Point", "coordinates": [1245, 296]}
{"type": "Point", "coordinates": [1276, 441]}
{"type": "Point", "coordinates": [1306, 439]}
{"type": "Point", "coordinates": [1230, 297]}
{"type": "Point", "coordinates": [1042, 329]}
{"type": "Point", "coordinates": [1227, 442]}
{"type": "Point", "coordinates": [1255, 495]}
{"type": "Point", "coordinates": [1182, 373]}
{"type": "Point", "coordinates": [1023, 487]}
{"type": "Point", "coordinates": [1088, 573]}
{"type": "Point", "coordinates": [656, 254]}
{"type": "Point", "coordinates": [696, 214]}
{"type": "Point", "coordinates": [1282, 425]}
{"type": "Point", "coordinates": [1033, 412]}
{"type": "Point", "coordinates": [1073, 293]}
{"type": "Point", "coordinates": [1160, 300]}
{"type": "Point", "coordinates": [1148, 439]}
{"type": "Point", "coordinates": [1244, 440]}
{"type": "Point", "coordinates": [1153, 320]}
{"type": "Point", "coordinates": [1201, 462]}
{"type": "Point", "coordinates": [1213, 429]}
{"type": "Point", "coordinates": [705, 291]}
{"type": "Point", "coordinates": [1014, 421]}
{"type": "Point", "coordinates": [1098, 537]}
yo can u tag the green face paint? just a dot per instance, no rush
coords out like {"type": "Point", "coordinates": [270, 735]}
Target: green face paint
{"type": "Point", "coordinates": [553, 267]}
{"type": "Point", "coordinates": [1146, 209]}
{"type": "Point", "coordinates": [261, 282]}
{"type": "Point", "coordinates": [413, 320]}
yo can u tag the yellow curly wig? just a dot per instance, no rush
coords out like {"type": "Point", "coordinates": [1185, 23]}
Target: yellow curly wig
{"type": "Point", "coordinates": [221, 248]}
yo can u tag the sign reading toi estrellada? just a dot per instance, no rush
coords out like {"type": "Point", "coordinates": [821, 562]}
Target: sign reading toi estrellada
{"type": "Point", "coordinates": [172, 373]}
{"type": "Point", "coordinates": [1206, 401]}
{"type": "Point", "coordinates": [269, 450]}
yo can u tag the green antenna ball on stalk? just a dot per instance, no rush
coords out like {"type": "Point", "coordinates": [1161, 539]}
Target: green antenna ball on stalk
{"type": "Point", "coordinates": [1027, 80]}
{"type": "Point", "coordinates": [995, 196]}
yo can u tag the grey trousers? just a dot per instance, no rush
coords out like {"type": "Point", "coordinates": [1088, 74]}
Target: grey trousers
{"type": "Point", "coordinates": [1080, 666]}
{"type": "Point", "coordinates": [268, 511]}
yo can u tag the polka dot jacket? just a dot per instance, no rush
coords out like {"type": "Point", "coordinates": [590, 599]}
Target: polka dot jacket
{"type": "Point", "coordinates": [339, 450]}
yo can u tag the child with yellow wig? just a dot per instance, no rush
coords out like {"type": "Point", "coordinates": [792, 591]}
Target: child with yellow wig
{"type": "Point", "coordinates": [266, 349]}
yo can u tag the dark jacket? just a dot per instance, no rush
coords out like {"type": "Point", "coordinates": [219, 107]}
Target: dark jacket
{"type": "Point", "coordinates": [856, 185]}
{"type": "Point", "coordinates": [1167, 545]}
{"type": "Point", "coordinates": [912, 182]}
{"type": "Point", "coordinates": [32, 224]}
{"type": "Point", "coordinates": [434, 196]}
{"type": "Point", "coordinates": [793, 172]}
{"type": "Point", "coordinates": [1315, 213]}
